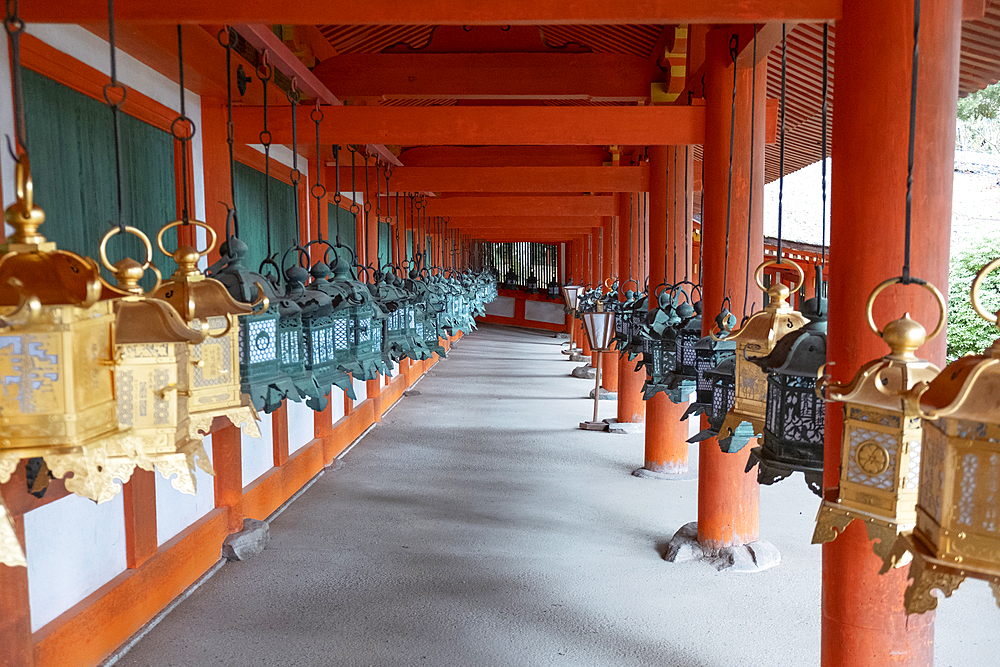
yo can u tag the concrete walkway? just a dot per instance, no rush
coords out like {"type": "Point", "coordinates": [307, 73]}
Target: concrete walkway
{"type": "Point", "coordinates": [477, 527]}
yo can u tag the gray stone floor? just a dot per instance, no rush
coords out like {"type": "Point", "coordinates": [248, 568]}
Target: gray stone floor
{"type": "Point", "coordinates": [477, 526]}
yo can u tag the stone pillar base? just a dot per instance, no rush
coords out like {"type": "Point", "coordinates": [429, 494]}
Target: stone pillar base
{"type": "Point", "coordinates": [753, 557]}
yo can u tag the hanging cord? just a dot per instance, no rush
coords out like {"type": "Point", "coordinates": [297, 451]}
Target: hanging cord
{"type": "Point", "coordinates": [265, 72]}
{"type": "Point", "coordinates": [631, 200]}
{"type": "Point", "coordinates": [337, 197]}
{"type": "Point", "coordinates": [781, 144]}
{"type": "Point", "coordinates": [734, 43]}
{"type": "Point", "coordinates": [110, 90]}
{"type": "Point", "coordinates": [183, 130]}
{"type": "Point", "coordinates": [687, 217]}
{"type": "Point", "coordinates": [378, 216]}
{"type": "Point", "coordinates": [826, 99]}
{"type": "Point", "coordinates": [228, 45]}
{"type": "Point", "coordinates": [294, 96]}
{"type": "Point", "coordinates": [753, 119]}
{"type": "Point", "coordinates": [318, 190]}
{"type": "Point", "coordinates": [906, 278]}
{"type": "Point", "coordinates": [15, 28]}
{"type": "Point", "coordinates": [392, 250]}
{"type": "Point", "coordinates": [673, 229]}
{"type": "Point", "coordinates": [701, 229]}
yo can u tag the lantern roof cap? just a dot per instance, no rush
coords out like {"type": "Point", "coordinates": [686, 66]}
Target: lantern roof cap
{"type": "Point", "coordinates": [801, 353]}
{"type": "Point", "coordinates": [726, 370]}
{"type": "Point", "coordinates": [966, 389]}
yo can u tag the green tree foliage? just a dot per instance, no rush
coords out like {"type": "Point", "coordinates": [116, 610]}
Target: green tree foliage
{"type": "Point", "coordinates": [981, 104]}
{"type": "Point", "coordinates": [967, 332]}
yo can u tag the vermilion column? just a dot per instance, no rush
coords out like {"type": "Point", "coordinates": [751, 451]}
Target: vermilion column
{"type": "Point", "coordinates": [631, 407]}
{"type": "Point", "coordinates": [666, 452]}
{"type": "Point", "coordinates": [588, 278]}
{"type": "Point", "coordinates": [863, 617]}
{"type": "Point", "coordinates": [728, 497]}
{"type": "Point", "coordinates": [609, 361]}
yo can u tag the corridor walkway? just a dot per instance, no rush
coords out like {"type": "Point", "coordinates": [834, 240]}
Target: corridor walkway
{"type": "Point", "coordinates": [475, 526]}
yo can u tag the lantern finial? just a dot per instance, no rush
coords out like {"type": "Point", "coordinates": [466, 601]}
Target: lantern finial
{"type": "Point", "coordinates": [904, 337]}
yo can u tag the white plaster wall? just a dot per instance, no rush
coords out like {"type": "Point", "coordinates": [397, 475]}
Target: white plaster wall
{"type": "Point", "coordinates": [258, 453]}
{"type": "Point", "coordinates": [502, 306]}
{"type": "Point", "coordinates": [360, 390]}
{"type": "Point", "coordinates": [336, 404]}
{"type": "Point", "coordinates": [74, 547]}
{"type": "Point", "coordinates": [544, 311]}
{"type": "Point", "coordinates": [301, 425]}
{"type": "Point", "coordinates": [175, 511]}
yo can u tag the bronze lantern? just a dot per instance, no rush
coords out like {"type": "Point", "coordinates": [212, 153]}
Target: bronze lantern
{"type": "Point", "coordinates": [212, 376]}
{"type": "Point", "coordinates": [796, 415]}
{"type": "Point", "coordinates": [152, 356]}
{"type": "Point", "coordinates": [957, 532]}
{"type": "Point", "coordinates": [880, 451]}
{"type": "Point", "coordinates": [57, 400]}
{"type": "Point", "coordinates": [756, 338]}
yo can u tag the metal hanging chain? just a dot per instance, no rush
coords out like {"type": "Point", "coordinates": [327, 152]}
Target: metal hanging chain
{"type": "Point", "coordinates": [378, 217]}
{"type": "Point", "coordinates": [293, 95]}
{"type": "Point", "coordinates": [674, 210]}
{"type": "Point", "coordinates": [368, 209]}
{"type": "Point", "coordinates": [701, 230]}
{"type": "Point", "coordinates": [753, 119]}
{"type": "Point", "coordinates": [115, 105]}
{"type": "Point", "coordinates": [337, 197]}
{"type": "Point", "coordinates": [826, 100]}
{"type": "Point", "coordinates": [15, 28]}
{"type": "Point", "coordinates": [734, 43]}
{"type": "Point", "coordinates": [687, 218]}
{"type": "Point", "coordinates": [355, 209]}
{"type": "Point", "coordinates": [906, 278]}
{"type": "Point", "coordinates": [631, 198]}
{"type": "Point", "coordinates": [781, 141]}
{"type": "Point", "coordinates": [228, 46]}
{"type": "Point", "coordinates": [183, 129]}
{"type": "Point", "coordinates": [265, 73]}
{"type": "Point", "coordinates": [318, 190]}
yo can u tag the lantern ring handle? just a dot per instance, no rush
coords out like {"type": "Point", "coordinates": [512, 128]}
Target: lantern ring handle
{"type": "Point", "coordinates": [213, 237]}
{"type": "Point", "coordinates": [885, 284]}
{"type": "Point", "coordinates": [131, 230]}
{"type": "Point", "coordinates": [976, 285]}
{"type": "Point", "coordinates": [774, 262]}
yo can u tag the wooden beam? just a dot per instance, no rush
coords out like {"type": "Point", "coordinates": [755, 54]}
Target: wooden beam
{"type": "Point", "coordinates": [512, 179]}
{"type": "Point", "coordinates": [519, 206]}
{"type": "Point", "coordinates": [440, 12]}
{"type": "Point", "coordinates": [472, 125]}
{"type": "Point", "coordinates": [504, 156]}
{"type": "Point", "coordinates": [600, 77]}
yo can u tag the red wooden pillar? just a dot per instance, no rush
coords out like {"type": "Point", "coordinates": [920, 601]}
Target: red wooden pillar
{"type": "Point", "coordinates": [863, 617]}
{"type": "Point", "coordinates": [15, 612]}
{"type": "Point", "coordinates": [139, 495]}
{"type": "Point", "coordinates": [227, 459]}
{"type": "Point", "coordinates": [728, 497]}
{"type": "Point", "coordinates": [279, 434]}
{"type": "Point", "coordinates": [631, 407]}
{"type": "Point", "coordinates": [666, 435]}
{"type": "Point", "coordinates": [609, 360]}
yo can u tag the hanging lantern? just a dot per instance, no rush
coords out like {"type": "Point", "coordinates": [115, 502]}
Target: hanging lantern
{"type": "Point", "coordinates": [261, 377]}
{"type": "Point", "coordinates": [723, 379]}
{"type": "Point", "coordinates": [880, 454]}
{"type": "Point", "coordinates": [531, 283]}
{"type": "Point", "coordinates": [756, 338]}
{"type": "Point", "coordinates": [659, 343]}
{"type": "Point", "coordinates": [571, 295]}
{"type": "Point", "coordinates": [510, 280]}
{"type": "Point", "coordinates": [957, 532]}
{"type": "Point", "coordinates": [212, 377]}
{"type": "Point", "coordinates": [58, 399]}
{"type": "Point", "coordinates": [793, 427]}
{"type": "Point", "coordinates": [553, 290]}
{"type": "Point", "coordinates": [708, 353]}
{"type": "Point", "coordinates": [152, 358]}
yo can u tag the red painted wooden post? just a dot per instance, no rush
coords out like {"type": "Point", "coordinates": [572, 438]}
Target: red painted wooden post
{"type": "Point", "coordinates": [140, 517]}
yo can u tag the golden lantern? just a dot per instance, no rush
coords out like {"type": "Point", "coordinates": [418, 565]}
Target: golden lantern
{"type": "Point", "coordinates": [212, 374]}
{"type": "Point", "coordinates": [957, 532]}
{"type": "Point", "coordinates": [152, 358]}
{"type": "Point", "coordinates": [756, 338]}
{"type": "Point", "coordinates": [57, 399]}
{"type": "Point", "coordinates": [880, 452]}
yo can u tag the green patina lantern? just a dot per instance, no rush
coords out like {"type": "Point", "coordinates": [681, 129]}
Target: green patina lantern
{"type": "Point", "coordinates": [723, 379]}
{"type": "Point", "coordinates": [261, 377]}
{"type": "Point", "coordinates": [319, 329]}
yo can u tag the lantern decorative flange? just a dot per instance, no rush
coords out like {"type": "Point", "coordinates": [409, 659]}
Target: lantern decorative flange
{"type": "Point", "coordinates": [756, 338]}
{"type": "Point", "coordinates": [880, 451]}
{"type": "Point", "coordinates": [957, 534]}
